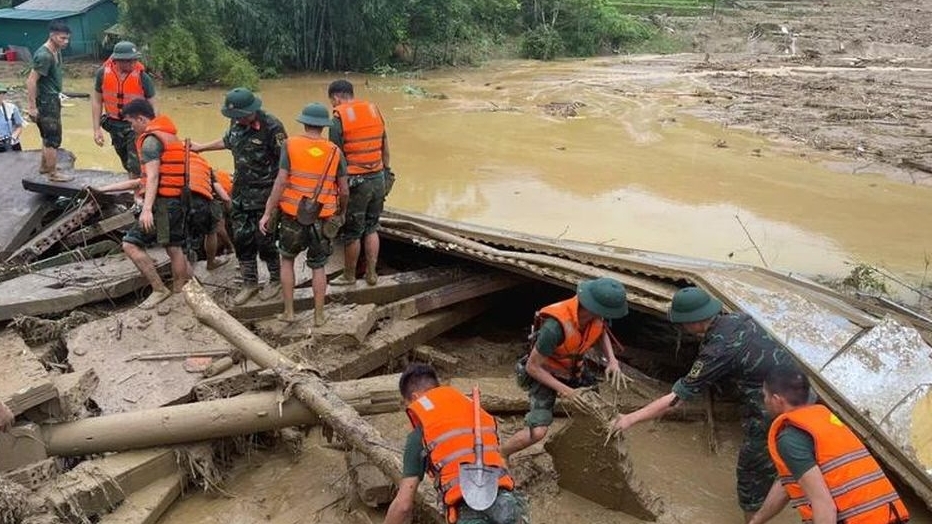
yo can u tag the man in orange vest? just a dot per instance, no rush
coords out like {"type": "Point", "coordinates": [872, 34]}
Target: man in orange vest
{"type": "Point", "coordinates": [119, 81]}
{"type": "Point", "coordinates": [441, 441]}
{"type": "Point", "coordinates": [554, 367]}
{"type": "Point", "coordinates": [822, 466]}
{"type": "Point", "coordinates": [310, 191]}
{"type": "Point", "coordinates": [170, 172]}
{"type": "Point", "coordinates": [359, 131]}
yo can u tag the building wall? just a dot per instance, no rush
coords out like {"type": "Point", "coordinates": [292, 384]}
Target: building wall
{"type": "Point", "coordinates": [86, 30]}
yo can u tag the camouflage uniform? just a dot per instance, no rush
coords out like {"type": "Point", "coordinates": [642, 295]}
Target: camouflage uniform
{"type": "Point", "coordinates": [255, 156]}
{"type": "Point", "coordinates": [736, 348]}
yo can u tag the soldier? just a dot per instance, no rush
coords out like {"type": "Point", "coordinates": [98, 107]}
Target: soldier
{"type": "Point", "coordinates": [824, 468]}
{"type": "Point", "coordinates": [441, 441]}
{"type": "Point", "coordinates": [43, 88]}
{"type": "Point", "coordinates": [255, 138]}
{"type": "Point", "coordinates": [359, 131]}
{"type": "Point", "coordinates": [310, 192]}
{"type": "Point", "coordinates": [732, 346]}
{"type": "Point", "coordinates": [119, 81]}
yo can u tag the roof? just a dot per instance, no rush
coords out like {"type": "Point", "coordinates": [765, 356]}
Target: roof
{"type": "Point", "coordinates": [48, 9]}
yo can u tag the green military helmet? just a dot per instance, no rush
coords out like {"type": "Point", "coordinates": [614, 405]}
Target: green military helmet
{"type": "Point", "coordinates": [315, 114]}
{"type": "Point", "coordinates": [692, 304]}
{"type": "Point", "coordinates": [125, 51]}
{"type": "Point", "coordinates": [240, 103]}
{"type": "Point", "coordinates": [604, 297]}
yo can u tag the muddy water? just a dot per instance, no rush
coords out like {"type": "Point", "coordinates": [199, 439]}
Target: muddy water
{"type": "Point", "coordinates": [631, 170]}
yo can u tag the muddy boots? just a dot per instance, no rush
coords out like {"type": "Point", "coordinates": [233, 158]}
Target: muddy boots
{"type": "Point", "coordinates": [250, 272]}
{"type": "Point", "coordinates": [319, 318]}
{"type": "Point", "coordinates": [51, 171]}
{"type": "Point", "coordinates": [372, 278]}
{"type": "Point", "coordinates": [273, 289]}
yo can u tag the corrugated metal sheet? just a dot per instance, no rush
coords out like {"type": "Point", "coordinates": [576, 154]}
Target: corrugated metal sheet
{"type": "Point", "coordinates": [34, 14]}
{"type": "Point", "coordinates": [69, 6]}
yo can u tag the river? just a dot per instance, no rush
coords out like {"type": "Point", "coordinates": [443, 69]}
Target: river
{"type": "Point", "coordinates": [632, 169]}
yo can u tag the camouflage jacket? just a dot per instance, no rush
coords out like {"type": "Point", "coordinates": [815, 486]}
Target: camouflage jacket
{"type": "Point", "coordinates": [735, 350]}
{"type": "Point", "coordinates": [256, 151]}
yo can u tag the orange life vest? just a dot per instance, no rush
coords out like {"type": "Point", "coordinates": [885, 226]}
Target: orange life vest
{"type": "Point", "coordinates": [565, 363]}
{"type": "Point", "coordinates": [363, 133]}
{"type": "Point", "coordinates": [862, 493]}
{"type": "Point", "coordinates": [172, 161]}
{"type": "Point", "coordinates": [446, 418]}
{"type": "Point", "coordinates": [225, 180]}
{"type": "Point", "coordinates": [116, 93]}
{"type": "Point", "coordinates": [314, 161]}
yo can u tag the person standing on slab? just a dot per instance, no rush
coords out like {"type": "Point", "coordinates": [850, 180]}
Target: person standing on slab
{"type": "Point", "coordinates": [255, 137]}
{"type": "Point", "coordinates": [118, 82]}
{"type": "Point", "coordinates": [359, 131]}
{"type": "Point", "coordinates": [43, 91]}
{"type": "Point", "coordinates": [311, 194]}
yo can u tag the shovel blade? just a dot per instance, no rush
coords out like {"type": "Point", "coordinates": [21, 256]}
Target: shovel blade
{"type": "Point", "coordinates": [479, 485]}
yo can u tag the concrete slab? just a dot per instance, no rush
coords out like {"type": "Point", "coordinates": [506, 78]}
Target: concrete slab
{"type": "Point", "coordinates": [82, 178]}
{"type": "Point", "coordinates": [128, 384]}
{"type": "Point", "coordinates": [347, 325]}
{"type": "Point", "coordinates": [20, 446]}
{"type": "Point", "coordinates": [62, 288]}
{"type": "Point", "coordinates": [147, 505]}
{"type": "Point", "coordinates": [21, 211]}
{"type": "Point", "coordinates": [25, 382]}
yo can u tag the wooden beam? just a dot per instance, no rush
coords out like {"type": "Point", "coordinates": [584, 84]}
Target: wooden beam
{"type": "Point", "coordinates": [389, 289]}
{"type": "Point", "coordinates": [464, 289]}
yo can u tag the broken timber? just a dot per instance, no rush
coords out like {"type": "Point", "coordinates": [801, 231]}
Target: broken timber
{"type": "Point", "coordinates": [389, 289]}
{"type": "Point", "coordinates": [69, 286]}
{"type": "Point", "coordinates": [102, 227]}
{"type": "Point", "coordinates": [57, 230]}
{"type": "Point", "coordinates": [459, 291]}
{"type": "Point", "coordinates": [310, 390]}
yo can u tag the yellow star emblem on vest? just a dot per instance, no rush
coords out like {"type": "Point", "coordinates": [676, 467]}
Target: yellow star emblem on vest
{"type": "Point", "coordinates": [315, 151]}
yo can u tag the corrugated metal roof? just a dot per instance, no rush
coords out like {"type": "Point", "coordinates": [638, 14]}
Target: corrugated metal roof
{"type": "Point", "coordinates": [34, 14]}
{"type": "Point", "coordinates": [71, 6]}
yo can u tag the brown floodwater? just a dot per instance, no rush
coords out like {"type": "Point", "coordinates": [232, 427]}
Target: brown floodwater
{"type": "Point", "coordinates": [632, 169]}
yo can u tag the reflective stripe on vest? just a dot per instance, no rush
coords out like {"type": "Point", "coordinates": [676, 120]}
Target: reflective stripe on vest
{"type": "Point", "coordinates": [172, 162]}
{"type": "Point", "coordinates": [445, 416]}
{"type": "Point", "coordinates": [861, 491]}
{"type": "Point", "coordinates": [565, 363]}
{"type": "Point", "coordinates": [116, 93]}
{"type": "Point", "coordinates": [313, 161]}
{"type": "Point", "coordinates": [363, 133]}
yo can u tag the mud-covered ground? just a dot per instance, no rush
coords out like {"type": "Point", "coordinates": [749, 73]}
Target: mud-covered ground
{"type": "Point", "coordinates": [851, 77]}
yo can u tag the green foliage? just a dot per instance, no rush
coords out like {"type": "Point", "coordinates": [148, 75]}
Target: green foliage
{"type": "Point", "coordinates": [172, 54]}
{"type": "Point", "coordinates": [662, 43]}
{"type": "Point", "coordinates": [865, 278]}
{"type": "Point", "coordinates": [542, 43]}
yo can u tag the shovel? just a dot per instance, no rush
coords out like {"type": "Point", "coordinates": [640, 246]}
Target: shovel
{"type": "Point", "coordinates": [479, 483]}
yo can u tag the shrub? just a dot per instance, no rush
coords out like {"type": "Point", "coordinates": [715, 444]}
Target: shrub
{"type": "Point", "coordinates": [173, 54]}
{"type": "Point", "coordinates": [542, 43]}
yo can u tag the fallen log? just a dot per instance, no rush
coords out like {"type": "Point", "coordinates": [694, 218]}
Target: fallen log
{"type": "Point", "coordinates": [309, 389]}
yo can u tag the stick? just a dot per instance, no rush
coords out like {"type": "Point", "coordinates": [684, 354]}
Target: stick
{"type": "Point", "coordinates": [753, 243]}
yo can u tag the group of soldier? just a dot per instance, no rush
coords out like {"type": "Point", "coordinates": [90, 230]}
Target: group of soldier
{"type": "Point", "coordinates": [290, 194]}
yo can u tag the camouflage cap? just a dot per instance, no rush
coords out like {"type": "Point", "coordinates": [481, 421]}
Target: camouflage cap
{"type": "Point", "coordinates": [239, 103]}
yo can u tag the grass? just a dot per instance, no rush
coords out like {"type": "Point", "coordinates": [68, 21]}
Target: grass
{"type": "Point", "coordinates": [672, 7]}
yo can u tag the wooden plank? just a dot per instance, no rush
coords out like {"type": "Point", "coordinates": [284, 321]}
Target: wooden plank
{"type": "Point", "coordinates": [389, 289]}
{"type": "Point", "coordinates": [438, 359]}
{"type": "Point", "coordinates": [66, 287]}
{"type": "Point", "coordinates": [25, 382]}
{"type": "Point", "coordinates": [464, 289]}
{"type": "Point", "coordinates": [347, 325]}
{"type": "Point", "coordinates": [107, 225]}
{"type": "Point", "coordinates": [394, 340]}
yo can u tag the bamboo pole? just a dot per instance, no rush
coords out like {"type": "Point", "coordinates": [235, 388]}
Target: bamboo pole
{"type": "Point", "coordinates": [309, 389]}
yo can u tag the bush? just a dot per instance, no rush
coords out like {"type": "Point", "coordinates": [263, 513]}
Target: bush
{"type": "Point", "coordinates": [542, 43]}
{"type": "Point", "coordinates": [233, 69]}
{"type": "Point", "coordinates": [173, 54]}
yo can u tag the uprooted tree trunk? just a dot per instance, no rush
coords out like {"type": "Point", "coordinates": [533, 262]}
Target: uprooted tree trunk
{"type": "Point", "coordinates": [309, 389]}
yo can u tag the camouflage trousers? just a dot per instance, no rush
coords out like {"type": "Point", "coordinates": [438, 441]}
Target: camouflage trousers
{"type": "Point", "coordinates": [755, 470]}
{"type": "Point", "coordinates": [509, 508]}
{"type": "Point", "coordinates": [49, 120]}
{"type": "Point", "coordinates": [123, 139]}
{"type": "Point", "coordinates": [249, 242]}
